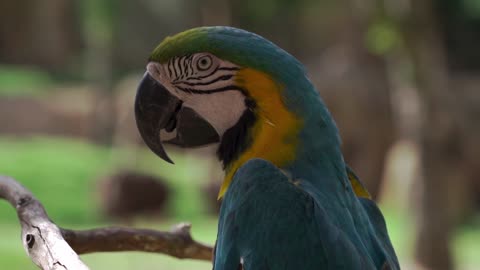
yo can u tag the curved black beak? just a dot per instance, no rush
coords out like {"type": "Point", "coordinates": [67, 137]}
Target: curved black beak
{"type": "Point", "coordinates": [154, 110]}
{"type": "Point", "coordinates": [157, 109]}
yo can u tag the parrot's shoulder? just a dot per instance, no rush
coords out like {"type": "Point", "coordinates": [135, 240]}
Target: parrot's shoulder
{"type": "Point", "coordinates": [266, 216]}
{"type": "Point", "coordinates": [258, 167]}
{"type": "Point", "coordinates": [255, 179]}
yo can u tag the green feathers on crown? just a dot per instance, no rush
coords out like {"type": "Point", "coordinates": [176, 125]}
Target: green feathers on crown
{"type": "Point", "coordinates": [235, 45]}
{"type": "Point", "coordinates": [187, 42]}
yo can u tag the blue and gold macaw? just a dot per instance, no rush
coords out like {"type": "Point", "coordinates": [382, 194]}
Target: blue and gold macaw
{"type": "Point", "coordinates": [289, 200]}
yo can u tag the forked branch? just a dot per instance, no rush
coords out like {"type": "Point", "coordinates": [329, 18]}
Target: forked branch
{"type": "Point", "coordinates": [51, 247]}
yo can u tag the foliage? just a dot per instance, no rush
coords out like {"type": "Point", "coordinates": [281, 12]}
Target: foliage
{"type": "Point", "coordinates": [65, 170]}
{"type": "Point", "coordinates": [23, 81]}
{"type": "Point", "coordinates": [382, 37]}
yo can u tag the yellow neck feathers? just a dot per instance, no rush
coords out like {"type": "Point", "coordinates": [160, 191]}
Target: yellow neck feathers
{"type": "Point", "coordinates": [276, 129]}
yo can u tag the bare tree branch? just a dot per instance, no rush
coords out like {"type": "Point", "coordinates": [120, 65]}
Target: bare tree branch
{"type": "Point", "coordinates": [51, 247]}
{"type": "Point", "coordinates": [177, 243]}
{"type": "Point", "coordinates": [41, 238]}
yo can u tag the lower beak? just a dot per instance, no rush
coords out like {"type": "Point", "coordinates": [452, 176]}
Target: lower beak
{"type": "Point", "coordinates": [156, 109]}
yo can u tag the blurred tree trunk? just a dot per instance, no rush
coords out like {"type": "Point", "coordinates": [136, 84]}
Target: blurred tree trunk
{"type": "Point", "coordinates": [352, 80]}
{"type": "Point", "coordinates": [98, 31]}
{"type": "Point", "coordinates": [370, 149]}
{"type": "Point", "coordinates": [423, 52]}
{"type": "Point", "coordinates": [278, 21]}
{"type": "Point", "coordinates": [215, 12]}
{"type": "Point", "coordinates": [43, 33]}
{"type": "Point", "coordinates": [438, 136]}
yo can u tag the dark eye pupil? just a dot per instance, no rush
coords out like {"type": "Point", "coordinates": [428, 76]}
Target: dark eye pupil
{"type": "Point", "coordinates": [204, 63]}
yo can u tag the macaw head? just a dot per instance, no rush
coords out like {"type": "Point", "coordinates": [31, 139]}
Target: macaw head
{"type": "Point", "coordinates": [228, 86]}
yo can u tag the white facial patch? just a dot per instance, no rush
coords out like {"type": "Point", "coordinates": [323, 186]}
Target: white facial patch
{"type": "Point", "coordinates": [222, 109]}
{"type": "Point", "coordinates": [205, 84]}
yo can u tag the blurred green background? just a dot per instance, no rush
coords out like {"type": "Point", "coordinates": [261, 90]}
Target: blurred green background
{"type": "Point", "coordinates": [401, 78]}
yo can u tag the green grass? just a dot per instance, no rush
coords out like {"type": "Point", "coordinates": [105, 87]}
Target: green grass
{"type": "Point", "coordinates": [23, 81]}
{"type": "Point", "coordinates": [62, 173]}
{"type": "Point", "coordinates": [59, 172]}
{"type": "Point", "coordinates": [466, 246]}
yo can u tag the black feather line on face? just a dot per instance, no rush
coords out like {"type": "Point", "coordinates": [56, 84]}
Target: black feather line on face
{"type": "Point", "coordinates": [212, 91]}
{"type": "Point", "coordinates": [237, 138]}
{"type": "Point", "coordinates": [214, 80]}
{"type": "Point", "coordinates": [170, 71]}
{"type": "Point", "coordinates": [181, 61]}
{"type": "Point", "coordinates": [176, 67]}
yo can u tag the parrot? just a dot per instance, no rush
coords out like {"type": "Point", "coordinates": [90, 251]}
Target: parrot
{"type": "Point", "coordinates": [289, 200]}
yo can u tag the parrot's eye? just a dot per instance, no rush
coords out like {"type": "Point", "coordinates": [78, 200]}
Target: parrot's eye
{"type": "Point", "coordinates": [199, 72]}
{"type": "Point", "coordinates": [204, 62]}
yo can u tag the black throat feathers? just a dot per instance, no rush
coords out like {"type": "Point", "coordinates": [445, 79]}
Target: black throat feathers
{"type": "Point", "coordinates": [237, 138]}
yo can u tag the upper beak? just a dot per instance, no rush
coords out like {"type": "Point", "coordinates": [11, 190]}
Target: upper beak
{"type": "Point", "coordinates": [156, 109]}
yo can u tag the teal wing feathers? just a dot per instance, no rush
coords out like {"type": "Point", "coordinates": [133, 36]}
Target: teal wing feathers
{"type": "Point", "coordinates": [268, 221]}
{"type": "Point", "coordinates": [378, 223]}
{"type": "Point", "coordinates": [376, 220]}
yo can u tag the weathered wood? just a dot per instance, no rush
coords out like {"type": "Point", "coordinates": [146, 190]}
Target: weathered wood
{"type": "Point", "coordinates": [52, 248]}
{"type": "Point", "coordinates": [41, 238]}
{"type": "Point", "coordinates": [177, 243]}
